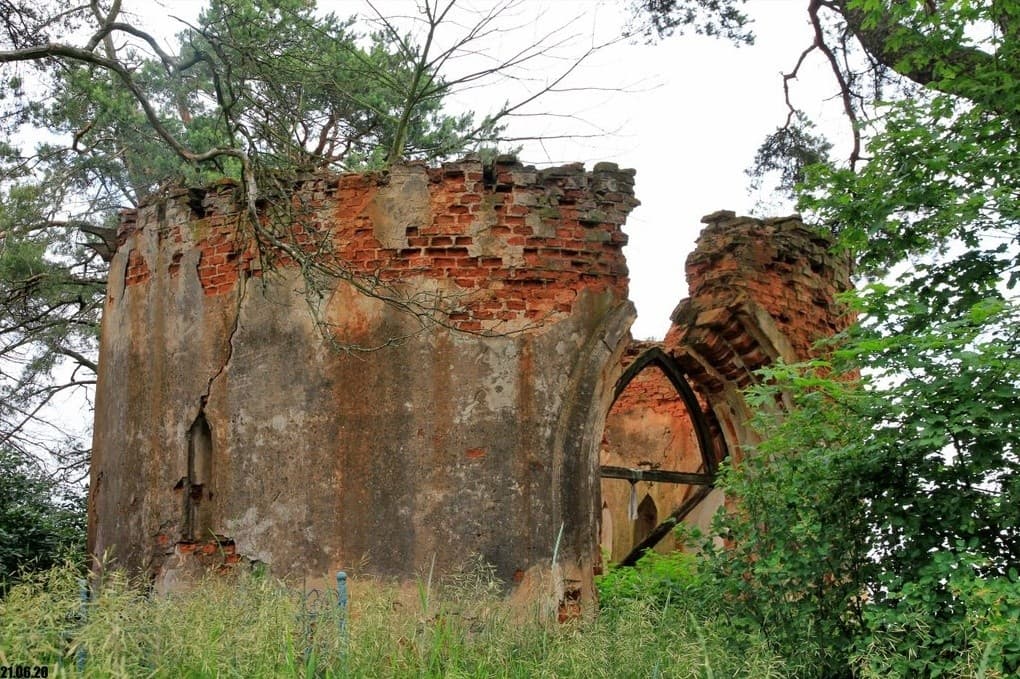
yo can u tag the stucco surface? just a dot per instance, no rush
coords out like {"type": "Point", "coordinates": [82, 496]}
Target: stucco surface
{"type": "Point", "coordinates": [345, 432]}
{"type": "Point", "coordinates": [392, 373]}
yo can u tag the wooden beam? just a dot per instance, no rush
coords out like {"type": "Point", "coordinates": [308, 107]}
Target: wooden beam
{"type": "Point", "coordinates": [656, 475]}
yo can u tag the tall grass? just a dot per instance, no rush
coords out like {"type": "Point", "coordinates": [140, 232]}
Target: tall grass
{"type": "Point", "coordinates": [250, 626]}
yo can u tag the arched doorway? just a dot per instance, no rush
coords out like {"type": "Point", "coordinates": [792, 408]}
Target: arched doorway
{"type": "Point", "coordinates": [647, 519]}
{"type": "Point", "coordinates": [660, 444]}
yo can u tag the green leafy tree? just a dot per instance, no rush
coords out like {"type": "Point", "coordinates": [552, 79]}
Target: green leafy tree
{"type": "Point", "coordinates": [796, 563]}
{"type": "Point", "coordinates": [41, 523]}
{"type": "Point", "coordinates": [876, 531]}
{"type": "Point", "coordinates": [933, 220]}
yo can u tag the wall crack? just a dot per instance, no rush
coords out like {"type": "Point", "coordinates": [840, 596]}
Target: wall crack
{"type": "Point", "coordinates": [243, 290]}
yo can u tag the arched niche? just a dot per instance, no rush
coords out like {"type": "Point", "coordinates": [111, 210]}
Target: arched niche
{"type": "Point", "coordinates": [198, 487]}
{"type": "Point", "coordinates": [647, 519]}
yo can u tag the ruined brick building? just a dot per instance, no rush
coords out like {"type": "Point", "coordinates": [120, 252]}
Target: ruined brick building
{"type": "Point", "coordinates": [414, 367]}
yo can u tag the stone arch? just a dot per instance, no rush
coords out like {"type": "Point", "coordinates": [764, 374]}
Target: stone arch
{"type": "Point", "coordinates": [698, 480]}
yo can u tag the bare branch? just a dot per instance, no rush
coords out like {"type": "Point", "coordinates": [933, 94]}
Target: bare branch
{"type": "Point", "coordinates": [844, 88]}
{"type": "Point", "coordinates": [80, 359]}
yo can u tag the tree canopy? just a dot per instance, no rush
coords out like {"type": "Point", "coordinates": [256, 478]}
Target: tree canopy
{"type": "Point", "coordinates": [879, 531]}
{"type": "Point", "coordinates": [41, 523]}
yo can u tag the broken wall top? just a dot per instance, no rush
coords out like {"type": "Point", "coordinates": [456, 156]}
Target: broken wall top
{"type": "Point", "coordinates": [760, 290]}
{"type": "Point", "coordinates": [508, 243]}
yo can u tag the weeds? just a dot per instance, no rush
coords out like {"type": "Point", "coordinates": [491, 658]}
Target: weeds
{"type": "Point", "coordinates": [250, 626]}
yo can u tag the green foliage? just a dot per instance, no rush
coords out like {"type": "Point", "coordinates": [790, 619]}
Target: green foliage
{"type": "Point", "coordinates": [302, 93]}
{"type": "Point", "coordinates": [116, 157]}
{"type": "Point", "coordinates": [693, 591]}
{"type": "Point", "coordinates": [935, 216]}
{"type": "Point", "coordinates": [787, 152]}
{"type": "Point", "coordinates": [860, 545]}
{"type": "Point", "coordinates": [795, 560]}
{"type": "Point", "coordinates": [980, 639]}
{"type": "Point", "coordinates": [51, 292]}
{"type": "Point", "coordinates": [722, 18]}
{"type": "Point", "coordinates": [656, 579]}
{"type": "Point", "coordinates": [41, 524]}
{"type": "Point", "coordinates": [876, 530]}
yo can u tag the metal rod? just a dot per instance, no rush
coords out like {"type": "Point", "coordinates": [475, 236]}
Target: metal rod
{"type": "Point", "coordinates": [341, 600]}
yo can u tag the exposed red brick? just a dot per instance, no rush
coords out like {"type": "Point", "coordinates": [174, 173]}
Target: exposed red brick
{"type": "Point", "coordinates": [137, 269]}
{"type": "Point", "coordinates": [781, 266]}
{"type": "Point", "coordinates": [571, 261]}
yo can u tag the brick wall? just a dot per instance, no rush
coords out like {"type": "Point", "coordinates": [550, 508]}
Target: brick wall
{"type": "Point", "coordinates": [759, 289]}
{"type": "Point", "coordinates": [650, 390]}
{"type": "Point", "coordinates": [515, 243]}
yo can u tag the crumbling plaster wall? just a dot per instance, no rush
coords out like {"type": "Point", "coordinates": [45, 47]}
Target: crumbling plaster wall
{"type": "Point", "coordinates": [443, 395]}
{"type": "Point", "coordinates": [760, 290]}
{"type": "Point", "coordinates": [346, 432]}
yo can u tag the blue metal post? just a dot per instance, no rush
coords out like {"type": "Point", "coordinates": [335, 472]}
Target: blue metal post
{"type": "Point", "coordinates": [341, 600]}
